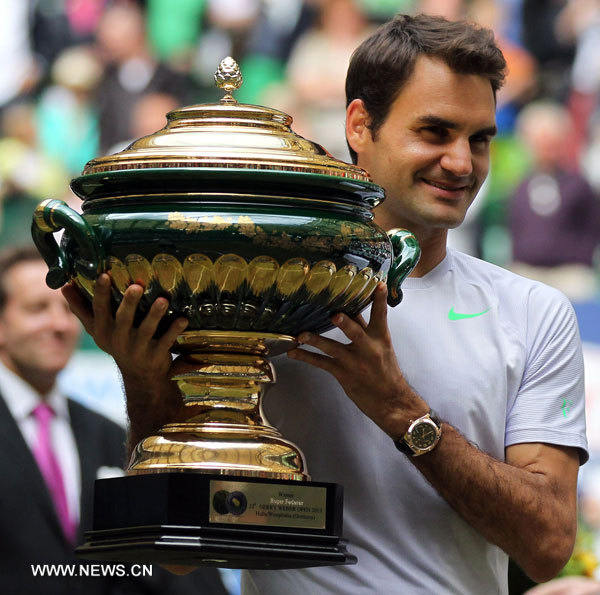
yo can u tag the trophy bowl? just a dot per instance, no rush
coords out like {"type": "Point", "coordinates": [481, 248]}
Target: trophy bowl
{"type": "Point", "coordinates": [253, 234]}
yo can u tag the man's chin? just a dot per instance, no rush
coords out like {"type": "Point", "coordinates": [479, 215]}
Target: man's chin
{"type": "Point", "coordinates": [454, 224]}
{"type": "Point", "coordinates": [54, 365]}
{"type": "Point", "coordinates": [450, 217]}
{"type": "Point", "coordinates": [445, 221]}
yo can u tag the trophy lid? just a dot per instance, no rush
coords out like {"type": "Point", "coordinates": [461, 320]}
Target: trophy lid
{"type": "Point", "coordinates": [227, 135]}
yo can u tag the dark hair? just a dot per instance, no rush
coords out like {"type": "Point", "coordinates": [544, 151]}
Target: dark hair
{"type": "Point", "coordinates": [9, 258]}
{"type": "Point", "coordinates": [383, 63]}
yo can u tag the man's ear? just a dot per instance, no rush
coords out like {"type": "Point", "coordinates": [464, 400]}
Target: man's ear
{"type": "Point", "coordinates": [357, 125]}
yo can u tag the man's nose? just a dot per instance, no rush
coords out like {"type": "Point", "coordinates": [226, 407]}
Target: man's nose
{"type": "Point", "coordinates": [62, 318]}
{"type": "Point", "coordinates": [458, 159]}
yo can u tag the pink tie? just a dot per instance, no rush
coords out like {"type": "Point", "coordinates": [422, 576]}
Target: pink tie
{"type": "Point", "coordinates": [50, 469]}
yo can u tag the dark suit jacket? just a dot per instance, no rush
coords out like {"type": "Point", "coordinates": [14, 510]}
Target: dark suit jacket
{"type": "Point", "coordinates": [30, 533]}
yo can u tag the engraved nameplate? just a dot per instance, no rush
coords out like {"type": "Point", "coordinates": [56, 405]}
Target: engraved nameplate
{"type": "Point", "coordinates": [271, 505]}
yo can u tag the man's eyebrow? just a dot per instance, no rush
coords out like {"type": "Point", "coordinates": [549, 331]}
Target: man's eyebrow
{"type": "Point", "coordinates": [436, 121]}
{"type": "Point", "coordinates": [429, 120]}
{"type": "Point", "coordinates": [489, 131]}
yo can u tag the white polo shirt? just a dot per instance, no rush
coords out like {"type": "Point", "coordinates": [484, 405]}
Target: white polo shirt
{"type": "Point", "coordinates": [496, 355]}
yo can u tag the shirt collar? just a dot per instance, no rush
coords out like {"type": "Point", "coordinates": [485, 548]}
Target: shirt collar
{"type": "Point", "coordinates": [433, 276]}
{"type": "Point", "coordinates": [21, 398]}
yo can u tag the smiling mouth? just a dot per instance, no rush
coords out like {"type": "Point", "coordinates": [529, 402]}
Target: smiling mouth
{"type": "Point", "coordinates": [447, 187]}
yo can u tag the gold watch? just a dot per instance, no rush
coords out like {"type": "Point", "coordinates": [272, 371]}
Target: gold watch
{"type": "Point", "coordinates": [422, 436]}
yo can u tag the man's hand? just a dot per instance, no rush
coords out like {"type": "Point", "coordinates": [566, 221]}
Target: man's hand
{"type": "Point", "coordinates": [367, 368]}
{"type": "Point", "coordinates": [526, 504]}
{"type": "Point", "coordinates": [144, 362]}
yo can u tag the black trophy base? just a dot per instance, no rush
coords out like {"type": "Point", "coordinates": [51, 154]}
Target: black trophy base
{"type": "Point", "coordinates": [214, 520]}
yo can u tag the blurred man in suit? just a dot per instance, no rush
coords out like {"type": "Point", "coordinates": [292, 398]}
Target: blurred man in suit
{"type": "Point", "coordinates": [52, 449]}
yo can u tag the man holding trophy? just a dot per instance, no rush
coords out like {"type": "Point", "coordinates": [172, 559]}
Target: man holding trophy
{"type": "Point", "coordinates": [456, 421]}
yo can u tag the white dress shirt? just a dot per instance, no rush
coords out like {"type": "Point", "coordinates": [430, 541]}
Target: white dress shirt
{"type": "Point", "coordinates": [21, 400]}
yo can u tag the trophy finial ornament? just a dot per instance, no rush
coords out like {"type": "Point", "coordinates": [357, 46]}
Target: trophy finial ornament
{"type": "Point", "coordinates": [228, 77]}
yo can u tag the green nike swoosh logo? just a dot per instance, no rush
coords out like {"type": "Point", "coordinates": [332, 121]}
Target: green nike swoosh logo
{"type": "Point", "coordinates": [452, 315]}
{"type": "Point", "coordinates": [566, 407]}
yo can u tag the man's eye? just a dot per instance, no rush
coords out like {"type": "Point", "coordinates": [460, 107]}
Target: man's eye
{"type": "Point", "coordinates": [481, 139]}
{"type": "Point", "coordinates": [436, 130]}
{"type": "Point", "coordinates": [35, 307]}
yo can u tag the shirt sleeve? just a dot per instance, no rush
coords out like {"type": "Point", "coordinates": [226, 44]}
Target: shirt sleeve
{"type": "Point", "coordinates": [550, 404]}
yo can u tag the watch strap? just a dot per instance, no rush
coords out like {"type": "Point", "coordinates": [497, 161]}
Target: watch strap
{"type": "Point", "coordinates": [401, 445]}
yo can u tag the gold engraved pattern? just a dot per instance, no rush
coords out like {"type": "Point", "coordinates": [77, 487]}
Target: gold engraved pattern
{"type": "Point", "coordinates": [262, 274]}
{"type": "Point", "coordinates": [251, 294]}
{"type": "Point", "coordinates": [139, 269]}
{"type": "Point", "coordinates": [119, 274]}
{"type": "Point", "coordinates": [341, 280]}
{"type": "Point", "coordinates": [291, 276]}
{"type": "Point", "coordinates": [177, 220]}
{"type": "Point", "coordinates": [245, 226]}
{"type": "Point", "coordinates": [319, 277]}
{"type": "Point", "coordinates": [168, 271]}
{"type": "Point", "coordinates": [230, 272]}
{"type": "Point", "coordinates": [198, 272]}
{"type": "Point", "coordinates": [358, 286]}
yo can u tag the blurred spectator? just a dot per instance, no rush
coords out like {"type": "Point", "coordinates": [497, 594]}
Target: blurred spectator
{"type": "Point", "coordinates": [149, 113]}
{"type": "Point", "coordinates": [449, 9]}
{"type": "Point", "coordinates": [131, 71]}
{"type": "Point", "coordinates": [555, 215]}
{"type": "Point", "coordinates": [579, 24]}
{"type": "Point", "coordinates": [148, 116]}
{"type": "Point", "coordinates": [66, 116]}
{"type": "Point", "coordinates": [484, 233]}
{"type": "Point", "coordinates": [235, 17]}
{"type": "Point", "coordinates": [521, 80]}
{"type": "Point", "coordinates": [591, 153]}
{"type": "Point", "coordinates": [25, 171]}
{"type": "Point", "coordinates": [509, 163]}
{"type": "Point", "coordinates": [317, 70]}
{"type": "Point", "coordinates": [380, 11]}
{"type": "Point", "coordinates": [58, 24]}
{"type": "Point", "coordinates": [552, 52]}
{"type": "Point", "coordinates": [20, 70]}
{"type": "Point", "coordinates": [512, 27]}
{"type": "Point", "coordinates": [270, 42]}
{"type": "Point", "coordinates": [54, 448]}
{"type": "Point", "coordinates": [174, 27]}
{"type": "Point", "coordinates": [27, 175]}
{"type": "Point", "coordinates": [228, 24]}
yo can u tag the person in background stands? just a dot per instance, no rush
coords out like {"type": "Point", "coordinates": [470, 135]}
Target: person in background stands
{"type": "Point", "coordinates": [52, 449]}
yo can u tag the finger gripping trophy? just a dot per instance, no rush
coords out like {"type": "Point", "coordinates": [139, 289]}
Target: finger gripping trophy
{"type": "Point", "coordinates": [254, 234]}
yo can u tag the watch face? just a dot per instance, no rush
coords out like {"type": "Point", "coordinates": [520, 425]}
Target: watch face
{"type": "Point", "coordinates": [423, 435]}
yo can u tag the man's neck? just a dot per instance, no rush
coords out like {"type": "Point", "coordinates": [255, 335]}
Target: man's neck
{"type": "Point", "coordinates": [41, 382]}
{"type": "Point", "coordinates": [431, 241]}
{"type": "Point", "coordinates": [433, 251]}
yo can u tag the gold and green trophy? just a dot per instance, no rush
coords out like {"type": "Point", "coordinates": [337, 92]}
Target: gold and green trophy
{"type": "Point", "coordinates": [254, 234]}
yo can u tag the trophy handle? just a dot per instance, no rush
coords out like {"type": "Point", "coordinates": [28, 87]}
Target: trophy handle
{"type": "Point", "coordinates": [51, 216]}
{"type": "Point", "coordinates": [406, 256]}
